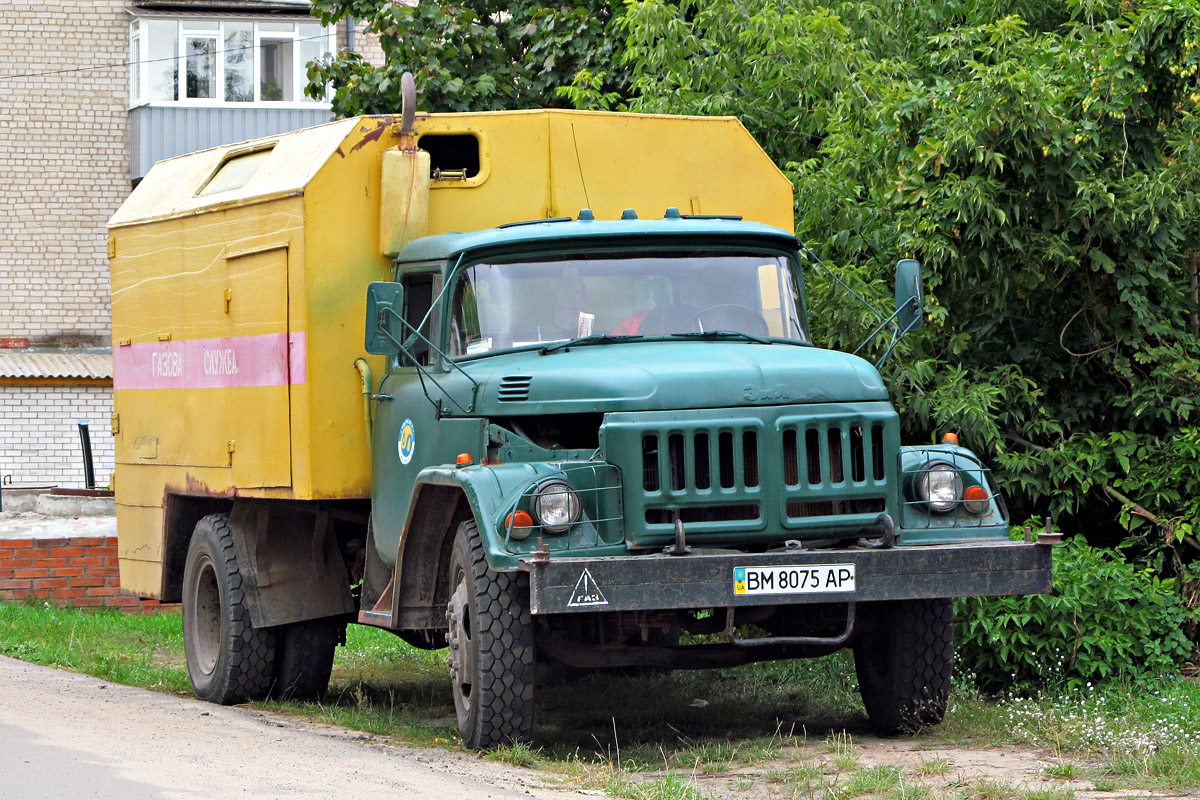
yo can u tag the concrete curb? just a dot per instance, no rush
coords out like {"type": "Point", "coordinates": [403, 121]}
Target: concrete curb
{"type": "Point", "coordinates": [61, 505]}
{"type": "Point", "coordinates": [56, 505]}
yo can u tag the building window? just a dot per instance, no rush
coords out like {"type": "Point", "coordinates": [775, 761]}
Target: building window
{"type": "Point", "coordinates": [218, 62]}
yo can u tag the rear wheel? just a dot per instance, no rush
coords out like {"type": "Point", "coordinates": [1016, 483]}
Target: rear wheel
{"type": "Point", "coordinates": [903, 659]}
{"type": "Point", "coordinates": [304, 658]}
{"type": "Point", "coordinates": [491, 646]}
{"type": "Point", "coordinates": [228, 659]}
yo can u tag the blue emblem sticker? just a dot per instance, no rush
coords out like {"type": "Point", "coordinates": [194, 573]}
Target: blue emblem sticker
{"type": "Point", "coordinates": [407, 443]}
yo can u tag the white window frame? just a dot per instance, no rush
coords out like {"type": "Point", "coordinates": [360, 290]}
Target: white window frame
{"type": "Point", "coordinates": [275, 36]}
{"type": "Point", "coordinates": [139, 39]}
{"type": "Point", "coordinates": [138, 85]}
{"type": "Point", "coordinates": [217, 38]}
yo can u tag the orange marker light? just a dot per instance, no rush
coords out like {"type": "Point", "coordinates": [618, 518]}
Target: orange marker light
{"type": "Point", "coordinates": [975, 498]}
{"type": "Point", "coordinates": [519, 524]}
{"type": "Point", "coordinates": [518, 519]}
{"type": "Point", "coordinates": [952, 438]}
{"type": "Point", "coordinates": [463, 458]}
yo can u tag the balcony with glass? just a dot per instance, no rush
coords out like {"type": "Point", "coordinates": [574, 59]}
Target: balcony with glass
{"type": "Point", "coordinates": [200, 82]}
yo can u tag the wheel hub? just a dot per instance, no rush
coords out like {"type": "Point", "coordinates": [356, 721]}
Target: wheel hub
{"type": "Point", "coordinates": [204, 629]}
{"type": "Point", "coordinates": [462, 650]}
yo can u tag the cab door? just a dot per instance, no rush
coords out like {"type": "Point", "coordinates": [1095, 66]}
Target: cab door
{"type": "Point", "coordinates": [406, 422]}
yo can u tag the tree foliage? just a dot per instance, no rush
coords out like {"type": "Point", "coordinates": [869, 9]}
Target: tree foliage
{"type": "Point", "coordinates": [1040, 159]}
{"type": "Point", "coordinates": [1108, 618]}
{"type": "Point", "coordinates": [479, 55]}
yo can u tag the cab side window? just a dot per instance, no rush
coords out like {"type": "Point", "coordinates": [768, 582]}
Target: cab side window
{"type": "Point", "coordinates": [418, 297]}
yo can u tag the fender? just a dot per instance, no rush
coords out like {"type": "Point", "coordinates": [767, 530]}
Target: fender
{"type": "Point", "coordinates": [490, 492]}
{"type": "Point", "coordinates": [443, 497]}
{"type": "Point", "coordinates": [918, 526]}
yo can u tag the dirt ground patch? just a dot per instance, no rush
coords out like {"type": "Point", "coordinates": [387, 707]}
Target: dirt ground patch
{"type": "Point", "coordinates": [911, 769]}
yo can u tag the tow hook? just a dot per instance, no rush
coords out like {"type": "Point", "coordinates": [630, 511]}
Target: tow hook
{"type": "Point", "coordinates": [888, 539]}
{"type": "Point", "coordinates": [680, 548]}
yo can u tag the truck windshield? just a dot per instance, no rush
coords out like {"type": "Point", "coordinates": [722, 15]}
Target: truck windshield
{"type": "Point", "coordinates": [500, 305]}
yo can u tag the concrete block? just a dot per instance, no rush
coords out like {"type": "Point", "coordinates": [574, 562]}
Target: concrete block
{"type": "Point", "coordinates": [56, 505]}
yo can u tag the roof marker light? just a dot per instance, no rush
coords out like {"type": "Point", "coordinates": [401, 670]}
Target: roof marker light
{"type": "Point", "coordinates": [629, 213]}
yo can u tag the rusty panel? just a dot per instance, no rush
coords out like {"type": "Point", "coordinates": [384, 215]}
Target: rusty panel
{"type": "Point", "coordinates": [143, 578]}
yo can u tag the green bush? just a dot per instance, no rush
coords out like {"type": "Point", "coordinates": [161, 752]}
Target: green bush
{"type": "Point", "coordinates": [1105, 618]}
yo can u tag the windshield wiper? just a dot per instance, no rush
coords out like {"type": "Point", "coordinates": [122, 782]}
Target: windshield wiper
{"type": "Point", "coordinates": [723, 334]}
{"type": "Point", "coordinates": [595, 338]}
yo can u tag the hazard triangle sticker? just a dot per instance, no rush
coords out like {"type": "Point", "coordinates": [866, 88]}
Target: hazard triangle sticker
{"type": "Point", "coordinates": [587, 592]}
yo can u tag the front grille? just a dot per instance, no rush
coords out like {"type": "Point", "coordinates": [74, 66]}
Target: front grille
{"type": "Point", "coordinates": [736, 476]}
{"type": "Point", "coordinates": [745, 512]}
{"type": "Point", "coordinates": [820, 455]}
{"type": "Point", "coordinates": [833, 508]}
{"type": "Point", "coordinates": [692, 468]}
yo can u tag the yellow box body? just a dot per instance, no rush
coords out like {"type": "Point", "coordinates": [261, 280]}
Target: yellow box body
{"type": "Point", "coordinates": [238, 312]}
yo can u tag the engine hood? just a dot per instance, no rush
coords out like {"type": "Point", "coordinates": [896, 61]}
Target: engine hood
{"type": "Point", "coordinates": [657, 376]}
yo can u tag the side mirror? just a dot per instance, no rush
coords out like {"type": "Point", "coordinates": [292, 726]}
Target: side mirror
{"type": "Point", "coordinates": [910, 302]}
{"type": "Point", "coordinates": [385, 318]}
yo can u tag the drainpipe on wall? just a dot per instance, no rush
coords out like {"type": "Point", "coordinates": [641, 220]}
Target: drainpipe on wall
{"type": "Point", "coordinates": [350, 34]}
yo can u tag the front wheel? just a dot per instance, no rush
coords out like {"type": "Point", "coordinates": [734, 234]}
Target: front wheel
{"type": "Point", "coordinates": [903, 658]}
{"type": "Point", "coordinates": [491, 646]}
{"type": "Point", "coordinates": [228, 659]}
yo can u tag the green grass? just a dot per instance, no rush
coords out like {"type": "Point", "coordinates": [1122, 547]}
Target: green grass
{"type": "Point", "coordinates": [1052, 793]}
{"type": "Point", "coordinates": [792, 726]}
{"type": "Point", "coordinates": [1064, 770]}
{"type": "Point", "coordinates": [1147, 731]}
{"type": "Point", "coordinates": [129, 649]}
{"type": "Point", "coordinates": [872, 780]}
{"type": "Point", "coordinates": [987, 789]}
{"type": "Point", "coordinates": [934, 766]}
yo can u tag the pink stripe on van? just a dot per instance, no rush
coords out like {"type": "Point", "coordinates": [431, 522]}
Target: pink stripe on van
{"type": "Point", "coordinates": [272, 359]}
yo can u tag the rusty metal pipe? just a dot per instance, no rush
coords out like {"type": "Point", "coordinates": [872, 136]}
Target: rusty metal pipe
{"type": "Point", "coordinates": [364, 376]}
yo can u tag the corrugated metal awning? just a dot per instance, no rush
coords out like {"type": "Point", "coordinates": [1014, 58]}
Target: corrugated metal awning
{"type": "Point", "coordinates": [55, 364]}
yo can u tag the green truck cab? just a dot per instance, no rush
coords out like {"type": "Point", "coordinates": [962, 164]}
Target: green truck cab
{"type": "Point", "coordinates": [614, 444]}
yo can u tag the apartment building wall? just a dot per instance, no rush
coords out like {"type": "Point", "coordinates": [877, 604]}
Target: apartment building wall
{"type": "Point", "coordinates": [64, 169]}
{"type": "Point", "coordinates": [64, 166]}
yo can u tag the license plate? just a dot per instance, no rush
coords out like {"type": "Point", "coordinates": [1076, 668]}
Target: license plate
{"type": "Point", "coordinates": [814, 578]}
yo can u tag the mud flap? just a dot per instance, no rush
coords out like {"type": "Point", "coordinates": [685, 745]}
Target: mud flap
{"type": "Point", "coordinates": [291, 565]}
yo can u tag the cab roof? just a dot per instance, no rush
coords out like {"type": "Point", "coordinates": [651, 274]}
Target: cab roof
{"type": "Point", "coordinates": [445, 246]}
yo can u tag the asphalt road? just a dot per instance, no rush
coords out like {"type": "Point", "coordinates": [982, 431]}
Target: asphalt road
{"type": "Point", "coordinates": [64, 735]}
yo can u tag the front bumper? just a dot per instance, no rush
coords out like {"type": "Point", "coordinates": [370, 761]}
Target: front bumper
{"type": "Point", "coordinates": [706, 579]}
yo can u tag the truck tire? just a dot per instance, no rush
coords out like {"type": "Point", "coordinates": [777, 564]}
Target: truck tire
{"type": "Point", "coordinates": [304, 658]}
{"type": "Point", "coordinates": [491, 646]}
{"type": "Point", "coordinates": [228, 659]}
{"type": "Point", "coordinates": [903, 661]}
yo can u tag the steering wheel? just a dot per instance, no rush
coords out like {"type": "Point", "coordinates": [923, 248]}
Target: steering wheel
{"type": "Point", "coordinates": [731, 316]}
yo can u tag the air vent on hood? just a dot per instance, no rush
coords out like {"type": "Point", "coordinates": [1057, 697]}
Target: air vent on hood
{"type": "Point", "coordinates": [514, 388]}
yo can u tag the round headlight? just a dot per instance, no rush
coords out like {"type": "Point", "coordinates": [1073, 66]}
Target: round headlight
{"type": "Point", "coordinates": [556, 506]}
{"type": "Point", "coordinates": [940, 486]}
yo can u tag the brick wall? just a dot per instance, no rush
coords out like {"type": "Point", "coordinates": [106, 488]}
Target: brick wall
{"type": "Point", "coordinates": [64, 169]}
{"type": "Point", "coordinates": [80, 571]}
{"type": "Point", "coordinates": [39, 441]}
{"type": "Point", "coordinates": [64, 164]}
{"type": "Point", "coordinates": [365, 43]}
